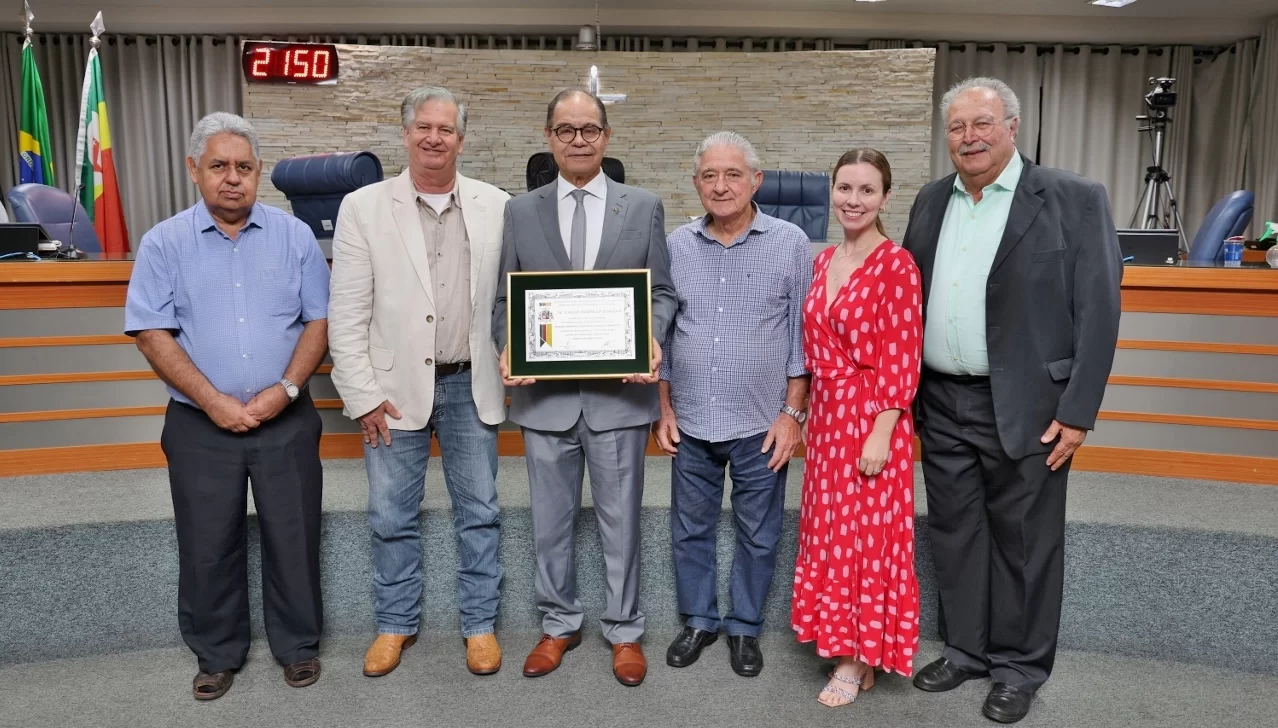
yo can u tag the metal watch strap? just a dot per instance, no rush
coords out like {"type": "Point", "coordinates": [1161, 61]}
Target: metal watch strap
{"type": "Point", "coordinates": [798, 415]}
{"type": "Point", "coordinates": [291, 390]}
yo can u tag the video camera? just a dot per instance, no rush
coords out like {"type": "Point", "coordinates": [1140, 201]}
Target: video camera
{"type": "Point", "coordinates": [1161, 97]}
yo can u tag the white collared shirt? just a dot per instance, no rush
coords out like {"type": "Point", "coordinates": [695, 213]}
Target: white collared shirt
{"type": "Point", "coordinates": [594, 202]}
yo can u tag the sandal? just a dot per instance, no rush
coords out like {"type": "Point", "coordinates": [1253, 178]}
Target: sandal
{"type": "Point", "coordinates": [301, 674]}
{"type": "Point", "coordinates": [849, 697]}
{"type": "Point", "coordinates": [211, 687]}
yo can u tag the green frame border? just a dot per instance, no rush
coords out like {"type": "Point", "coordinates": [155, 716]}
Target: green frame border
{"type": "Point", "coordinates": [518, 282]}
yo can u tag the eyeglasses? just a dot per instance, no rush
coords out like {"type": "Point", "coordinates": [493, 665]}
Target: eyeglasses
{"type": "Point", "coordinates": [566, 133]}
{"type": "Point", "coordinates": [981, 127]}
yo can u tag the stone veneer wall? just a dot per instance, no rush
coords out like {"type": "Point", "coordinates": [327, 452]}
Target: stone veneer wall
{"type": "Point", "coordinates": [800, 109]}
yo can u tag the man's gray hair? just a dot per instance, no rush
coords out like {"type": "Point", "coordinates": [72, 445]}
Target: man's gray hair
{"type": "Point", "coordinates": [1011, 104]}
{"type": "Point", "coordinates": [221, 122]}
{"type": "Point", "coordinates": [728, 139]}
{"type": "Point", "coordinates": [418, 96]}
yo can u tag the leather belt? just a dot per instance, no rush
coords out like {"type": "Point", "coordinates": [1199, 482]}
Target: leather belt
{"type": "Point", "coordinates": [956, 378]}
{"type": "Point", "coordinates": [443, 370]}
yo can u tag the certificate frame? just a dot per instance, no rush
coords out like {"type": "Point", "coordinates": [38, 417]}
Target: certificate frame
{"type": "Point", "coordinates": [518, 283]}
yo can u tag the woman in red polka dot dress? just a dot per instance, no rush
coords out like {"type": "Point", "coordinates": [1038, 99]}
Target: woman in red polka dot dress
{"type": "Point", "coordinates": [855, 592]}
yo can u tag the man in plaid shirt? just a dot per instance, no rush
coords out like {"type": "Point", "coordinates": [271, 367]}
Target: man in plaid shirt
{"type": "Point", "coordinates": [733, 391]}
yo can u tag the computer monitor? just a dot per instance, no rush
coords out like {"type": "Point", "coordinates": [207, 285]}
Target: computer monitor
{"type": "Point", "coordinates": [19, 238]}
{"type": "Point", "coordinates": [1150, 247]}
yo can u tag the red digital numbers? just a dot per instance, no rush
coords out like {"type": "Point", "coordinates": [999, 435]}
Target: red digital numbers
{"type": "Point", "coordinates": [261, 62]}
{"type": "Point", "coordinates": [290, 62]}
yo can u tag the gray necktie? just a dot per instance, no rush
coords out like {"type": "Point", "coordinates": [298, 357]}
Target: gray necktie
{"type": "Point", "coordinates": [577, 238]}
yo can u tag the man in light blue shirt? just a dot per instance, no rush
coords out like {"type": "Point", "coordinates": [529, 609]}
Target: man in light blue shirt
{"type": "Point", "coordinates": [733, 394]}
{"type": "Point", "coordinates": [229, 304]}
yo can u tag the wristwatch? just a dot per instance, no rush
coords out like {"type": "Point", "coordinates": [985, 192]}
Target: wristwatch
{"type": "Point", "coordinates": [290, 389]}
{"type": "Point", "coordinates": [798, 415]}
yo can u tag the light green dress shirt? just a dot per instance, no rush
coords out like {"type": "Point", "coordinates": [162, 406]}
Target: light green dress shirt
{"type": "Point", "coordinates": [954, 335]}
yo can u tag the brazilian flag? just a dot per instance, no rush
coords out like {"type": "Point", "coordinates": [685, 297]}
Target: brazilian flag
{"type": "Point", "coordinates": [35, 163]}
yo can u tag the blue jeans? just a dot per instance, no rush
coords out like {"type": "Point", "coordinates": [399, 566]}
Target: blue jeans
{"type": "Point", "coordinates": [758, 504]}
{"type": "Point", "coordinates": [396, 486]}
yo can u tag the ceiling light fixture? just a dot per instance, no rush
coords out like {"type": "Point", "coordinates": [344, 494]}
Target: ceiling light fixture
{"type": "Point", "coordinates": [1112, 3]}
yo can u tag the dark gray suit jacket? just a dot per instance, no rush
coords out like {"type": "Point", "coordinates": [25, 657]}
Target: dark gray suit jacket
{"type": "Point", "coordinates": [634, 236]}
{"type": "Point", "coordinates": [1051, 302]}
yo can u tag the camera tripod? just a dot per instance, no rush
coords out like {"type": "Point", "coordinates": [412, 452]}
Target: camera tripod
{"type": "Point", "coordinates": [1158, 202]}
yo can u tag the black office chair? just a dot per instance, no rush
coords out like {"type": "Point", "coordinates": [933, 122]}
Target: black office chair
{"type": "Point", "coordinates": [542, 170]}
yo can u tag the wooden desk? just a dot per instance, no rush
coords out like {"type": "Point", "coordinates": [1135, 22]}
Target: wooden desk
{"type": "Point", "coordinates": [1194, 389]}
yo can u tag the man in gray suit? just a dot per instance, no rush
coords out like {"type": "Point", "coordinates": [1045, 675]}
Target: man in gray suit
{"type": "Point", "coordinates": [1021, 275]}
{"type": "Point", "coordinates": [585, 221]}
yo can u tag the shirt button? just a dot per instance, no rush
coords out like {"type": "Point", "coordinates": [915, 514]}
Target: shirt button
{"type": "Point", "coordinates": [248, 389]}
{"type": "Point", "coordinates": [241, 320]}
{"type": "Point", "coordinates": [429, 318]}
{"type": "Point", "coordinates": [714, 369]}
{"type": "Point", "coordinates": [236, 250]}
{"type": "Point", "coordinates": [723, 280]}
{"type": "Point", "coordinates": [713, 399]}
{"type": "Point", "coordinates": [721, 309]}
{"type": "Point", "coordinates": [956, 284]}
{"type": "Point", "coordinates": [430, 362]}
{"type": "Point", "coordinates": [237, 285]}
{"type": "Point", "coordinates": [716, 339]}
{"type": "Point", "coordinates": [243, 356]}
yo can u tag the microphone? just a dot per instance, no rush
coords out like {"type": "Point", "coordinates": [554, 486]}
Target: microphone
{"type": "Point", "coordinates": [74, 253]}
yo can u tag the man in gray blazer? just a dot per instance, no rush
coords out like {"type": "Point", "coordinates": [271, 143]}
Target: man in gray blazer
{"type": "Point", "coordinates": [585, 221]}
{"type": "Point", "coordinates": [1021, 275]}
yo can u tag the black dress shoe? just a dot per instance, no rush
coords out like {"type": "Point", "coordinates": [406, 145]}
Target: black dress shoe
{"type": "Point", "coordinates": [744, 653]}
{"type": "Point", "coordinates": [1007, 704]}
{"type": "Point", "coordinates": [943, 675]}
{"type": "Point", "coordinates": [687, 647]}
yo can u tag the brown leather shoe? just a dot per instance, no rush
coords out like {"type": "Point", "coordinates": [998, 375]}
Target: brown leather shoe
{"type": "Point", "coordinates": [628, 663]}
{"type": "Point", "coordinates": [302, 673]}
{"type": "Point", "coordinates": [548, 653]}
{"type": "Point", "coordinates": [207, 686]}
{"type": "Point", "coordinates": [483, 654]}
{"type": "Point", "coordinates": [383, 654]}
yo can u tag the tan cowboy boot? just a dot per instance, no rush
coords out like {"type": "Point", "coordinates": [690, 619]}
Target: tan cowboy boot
{"type": "Point", "coordinates": [483, 654]}
{"type": "Point", "coordinates": [383, 655]}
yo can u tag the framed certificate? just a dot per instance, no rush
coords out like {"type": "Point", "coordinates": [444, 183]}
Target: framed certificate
{"type": "Point", "coordinates": [589, 324]}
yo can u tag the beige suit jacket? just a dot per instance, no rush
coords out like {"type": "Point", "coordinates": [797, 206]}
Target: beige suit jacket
{"type": "Point", "coordinates": [381, 312]}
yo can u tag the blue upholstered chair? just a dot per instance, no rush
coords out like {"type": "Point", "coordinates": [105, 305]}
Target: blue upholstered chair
{"type": "Point", "coordinates": [53, 209]}
{"type": "Point", "coordinates": [1227, 218]}
{"type": "Point", "coordinates": [802, 198]}
{"type": "Point", "coordinates": [315, 185]}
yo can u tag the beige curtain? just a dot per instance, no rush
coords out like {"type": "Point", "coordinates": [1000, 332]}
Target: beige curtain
{"type": "Point", "coordinates": [1262, 153]}
{"type": "Point", "coordinates": [1090, 103]}
{"type": "Point", "coordinates": [1216, 158]}
{"type": "Point", "coordinates": [157, 87]}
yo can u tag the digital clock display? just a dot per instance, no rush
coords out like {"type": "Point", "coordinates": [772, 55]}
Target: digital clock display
{"type": "Point", "coordinates": [268, 62]}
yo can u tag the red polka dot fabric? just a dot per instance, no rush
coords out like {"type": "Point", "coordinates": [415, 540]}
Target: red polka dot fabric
{"type": "Point", "coordinates": [855, 591]}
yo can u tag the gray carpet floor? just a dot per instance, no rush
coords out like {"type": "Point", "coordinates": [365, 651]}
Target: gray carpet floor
{"type": "Point", "coordinates": [432, 688]}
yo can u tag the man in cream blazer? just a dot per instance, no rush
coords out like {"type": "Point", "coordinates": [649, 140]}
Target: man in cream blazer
{"type": "Point", "coordinates": [414, 276]}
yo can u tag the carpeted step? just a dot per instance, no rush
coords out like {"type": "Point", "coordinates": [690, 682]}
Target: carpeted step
{"type": "Point", "coordinates": [77, 589]}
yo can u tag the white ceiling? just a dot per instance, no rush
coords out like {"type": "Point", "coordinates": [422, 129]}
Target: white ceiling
{"type": "Point", "coordinates": [1146, 21]}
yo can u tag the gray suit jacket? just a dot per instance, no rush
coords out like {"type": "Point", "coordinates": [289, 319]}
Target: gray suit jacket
{"type": "Point", "coordinates": [1051, 301]}
{"type": "Point", "coordinates": [634, 236]}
